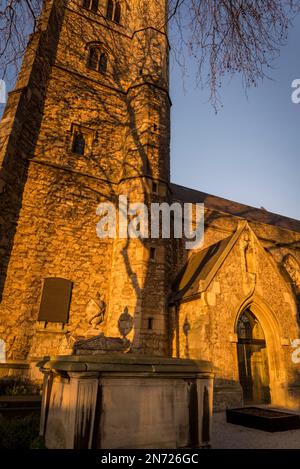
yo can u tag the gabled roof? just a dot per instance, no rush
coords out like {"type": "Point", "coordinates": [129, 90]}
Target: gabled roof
{"type": "Point", "coordinates": [202, 267]}
{"type": "Point", "coordinates": [184, 194]}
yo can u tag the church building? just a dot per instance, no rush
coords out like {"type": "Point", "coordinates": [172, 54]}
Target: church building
{"type": "Point", "coordinates": [88, 122]}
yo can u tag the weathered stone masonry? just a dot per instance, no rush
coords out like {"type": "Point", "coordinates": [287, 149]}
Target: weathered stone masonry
{"type": "Point", "coordinates": [53, 230]}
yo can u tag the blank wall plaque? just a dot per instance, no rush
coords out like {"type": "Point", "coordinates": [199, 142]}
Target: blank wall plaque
{"type": "Point", "coordinates": [55, 302]}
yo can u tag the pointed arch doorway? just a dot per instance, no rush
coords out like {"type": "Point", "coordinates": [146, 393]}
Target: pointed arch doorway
{"type": "Point", "coordinates": [253, 359]}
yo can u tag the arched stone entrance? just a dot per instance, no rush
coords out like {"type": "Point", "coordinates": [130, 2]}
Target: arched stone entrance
{"type": "Point", "coordinates": [253, 359]}
{"type": "Point", "coordinates": [265, 322]}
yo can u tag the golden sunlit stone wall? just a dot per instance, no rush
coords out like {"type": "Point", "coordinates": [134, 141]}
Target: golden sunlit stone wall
{"type": "Point", "coordinates": [50, 195]}
{"type": "Point", "coordinates": [260, 272]}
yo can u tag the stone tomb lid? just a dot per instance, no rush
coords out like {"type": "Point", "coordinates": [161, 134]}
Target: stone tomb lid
{"type": "Point", "coordinates": [125, 363]}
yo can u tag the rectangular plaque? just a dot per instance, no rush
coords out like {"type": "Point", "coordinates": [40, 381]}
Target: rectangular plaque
{"type": "Point", "coordinates": [55, 302]}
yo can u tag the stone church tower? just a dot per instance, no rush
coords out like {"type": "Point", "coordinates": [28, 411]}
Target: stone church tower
{"type": "Point", "coordinates": [87, 122]}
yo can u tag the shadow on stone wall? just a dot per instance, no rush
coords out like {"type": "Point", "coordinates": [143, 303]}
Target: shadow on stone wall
{"type": "Point", "coordinates": [134, 107]}
{"type": "Point", "coordinates": [20, 127]}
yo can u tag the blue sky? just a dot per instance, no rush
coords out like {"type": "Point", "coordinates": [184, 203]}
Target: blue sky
{"type": "Point", "coordinates": [250, 151]}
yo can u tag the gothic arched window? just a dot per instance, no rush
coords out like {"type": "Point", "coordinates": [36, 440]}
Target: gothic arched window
{"type": "Point", "coordinates": [113, 11]}
{"type": "Point", "coordinates": [97, 60]}
{"type": "Point", "coordinates": [79, 143]}
{"type": "Point", "coordinates": [91, 5]}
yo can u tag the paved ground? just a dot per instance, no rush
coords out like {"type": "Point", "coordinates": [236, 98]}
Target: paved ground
{"type": "Point", "coordinates": [228, 436]}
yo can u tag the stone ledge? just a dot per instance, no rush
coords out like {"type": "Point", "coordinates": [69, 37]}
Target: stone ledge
{"type": "Point", "coordinates": [15, 365]}
{"type": "Point", "coordinates": [121, 363]}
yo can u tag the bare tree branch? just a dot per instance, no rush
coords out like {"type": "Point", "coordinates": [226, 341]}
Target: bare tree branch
{"type": "Point", "coordinates": [223, 37]}
{"type": "Point", "coordinates": [18, 18]}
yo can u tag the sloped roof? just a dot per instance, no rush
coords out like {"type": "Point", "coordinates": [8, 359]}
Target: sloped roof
{"type": "Point", "coordinates": [202, 266]}
{"type": "Point", "coordinates": [184, 194]}
{"type": "Point", "coordinates": [196, 269]}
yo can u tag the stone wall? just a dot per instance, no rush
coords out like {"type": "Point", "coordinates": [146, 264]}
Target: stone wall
{"type": "Point", "coordinates": [250, 276]}
{"type": "Point", "coordinates": [50, 195]}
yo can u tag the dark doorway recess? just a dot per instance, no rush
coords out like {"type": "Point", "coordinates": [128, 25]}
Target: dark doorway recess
{"type": "Point", "coordinates": [253, 360]}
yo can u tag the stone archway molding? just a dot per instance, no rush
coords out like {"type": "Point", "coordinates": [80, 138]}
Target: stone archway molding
{"type": "Point", "coordinates": [272, 330]}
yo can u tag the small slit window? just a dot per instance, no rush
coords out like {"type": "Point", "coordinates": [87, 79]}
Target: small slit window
{"type": "Point", "coordinates": [150, 324]}
{"type": "Point", "coordinates": [154, 187]}
{"type": "Point", "coordinates": [113, 11]}
{"type": "Point", "coordinates": [152, 253]}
